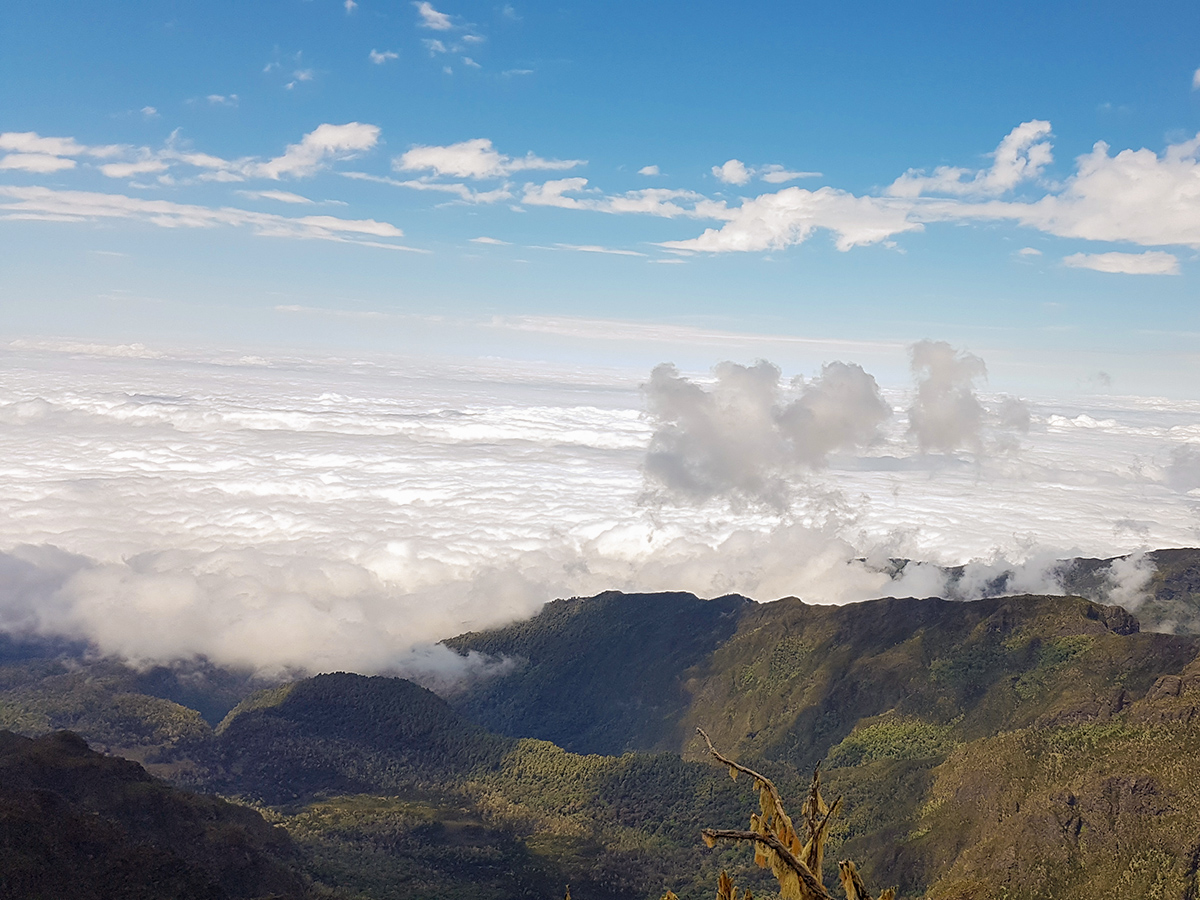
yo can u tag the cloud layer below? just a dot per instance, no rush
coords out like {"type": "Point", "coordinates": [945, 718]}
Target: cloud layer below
{"type": "Point", "coordinates": [327, 514]}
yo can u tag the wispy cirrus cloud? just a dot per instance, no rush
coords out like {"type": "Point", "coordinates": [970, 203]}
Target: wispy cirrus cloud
{"type": "Point", "coordinates": [431, 18]}
{"type": "Point", "coordinates": [1152, 262]}
{"type": "Point", "coordinates": [28, 151]}
{"type": "Point", "coordinates": [476, 158]}
{"type": "Point", "coordinates": [81, 206]}
{"type": "Point", "coordinates": [463, 192]}
{"type": "Point", "coordinates": [574, 193]}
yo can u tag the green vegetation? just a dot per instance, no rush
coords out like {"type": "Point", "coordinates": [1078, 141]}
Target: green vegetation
{"type": "Point", "coordinates": [981, 748]}
{"type": "Point", "coordinates": [892, 738]}
{"type": "Point", "coordinates": [74, 823]}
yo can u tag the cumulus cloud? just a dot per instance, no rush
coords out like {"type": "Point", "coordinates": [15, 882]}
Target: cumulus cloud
{"type": "Point", "coordinates": [319, 147]}
{"type": "Point", "coordinates": [1135, 197]}
{"type": "Point", "coordinates": [476, 159]}
{"type": "Point", "coordinates": [379, 58]}
{"type": "Point", "coordinates": [1196, 80]}
{"type": "Point", "coordinates": [743, 440]}
{"type": "Point", "coordinates": [1152, 262]}
{"type": "Point", "coordinates": [945, 415]}
{"type": "Point", "coordinates": [649, 170]}
{"type": "Point", "coordinates": [732, 171]}
{"type": "Point", "coordinates": [792, 215]}
{"type": "Point", "coordinates": [1014, 414]}
{"type": "Point", "coordinates": [1183, 472]}
{"type": "Point", "coordinates": [1021, 156]}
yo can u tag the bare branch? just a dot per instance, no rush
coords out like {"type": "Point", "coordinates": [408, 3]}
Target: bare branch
{"type": "Point", "coordinates": [805, 874]}
{"type": "Point", "coordinates": [761, 779]}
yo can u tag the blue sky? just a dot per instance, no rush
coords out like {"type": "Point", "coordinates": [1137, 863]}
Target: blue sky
{"type": "Point", "coordinates": [317, 172]}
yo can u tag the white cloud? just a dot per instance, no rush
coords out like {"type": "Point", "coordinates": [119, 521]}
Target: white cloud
{"type": "Point", "coordinates": [1136, 196]}
{"type": "Point", "coordinates": [946, 414]}
{"type": "Point", "coordinates": [1029, 251]}
{"type": "Point", "coordinates": [431, 18]}
{"type": "Point", "coordinates": [737, 172]}
{"type": "Point", "coordinates": [733, 171]}
{"type": "Point", "coordinates": [777, 174]}
{"type": "Point", "coordinates": [461, 191]}
{"type": "Point", "coordinates": [490, 240]}
{"type": "Point", "coordinates": [593, 248]}
{"type": "Point", "coordinates": [41, 163]}
{"type": "Point", "coordinates": [222, 99]}
{"type": "Point", "coordinates": [281, 196]}
{"type": "Point", "coordinates": [300, 75]}
{"type": "Point", "coordinates": [792, 215]}
{"type": "Point", "coordinates": [32, 142]}
{"type": "Point", "coordinates": [649, 201]}
{"type": "Point", "coordinates": [744, 440]}
{"type": "Point", "coordinates": [1021, 156]}
{"type": "Point", "coordinates": [649, 170]}
{"type": "Point", "coordinates": [434, 46]}
{"type": "Point", "coordinates": [553, 193]}
{"type": "Point", "coordinates": [350, 6]}
{"type": "Point", "coordinates": [81, 206]}
{"type": "Point", "coordinates": [317, 148]}
{"type": "Point", "coordinates": [212, 518]}
{"type": "Point", "coordinates": [128, 169]}
{"type": "Point", "coordinates": [476, 158]}
{"type": "Point", "coordinates": [467, 61]}
{"type": "Point", "coordinates": [149, 112]}
{"type": "Point", "coordinates": [1196, 80]}
{"type": "Point", "coordinates": [380, 58]}
{"type": "Point", "coordinates": [1152, 262]}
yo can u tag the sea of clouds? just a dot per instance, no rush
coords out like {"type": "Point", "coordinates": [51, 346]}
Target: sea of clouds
{"type": "Point", "coordinates": [319, 513]}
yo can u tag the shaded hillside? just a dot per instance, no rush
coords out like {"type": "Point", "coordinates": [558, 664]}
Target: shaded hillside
{"type": "Point", "coordinates": [390, 791]}
{"type": "Point", "coordinates": [74, 823]}
{"type": "Point", "coordinates": [602, 674]}
{"type": "Point", "coordinates": [789, 680]}
{"type": "Point", "coordinates": [344, 733]}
